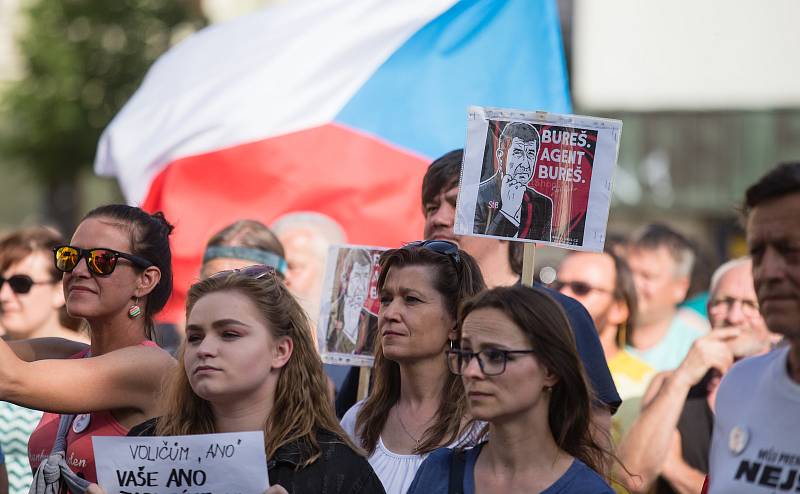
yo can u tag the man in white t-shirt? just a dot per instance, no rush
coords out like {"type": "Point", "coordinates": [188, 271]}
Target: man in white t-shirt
{"type": "Point", "coordinates": [756, 442]}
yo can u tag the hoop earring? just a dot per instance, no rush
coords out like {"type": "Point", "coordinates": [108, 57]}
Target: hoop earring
{"type": "Point", "coordinates": [135, 311]}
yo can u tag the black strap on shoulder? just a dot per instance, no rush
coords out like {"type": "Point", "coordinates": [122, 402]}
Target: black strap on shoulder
{"type": "Point", "coordinates": [457, 463]}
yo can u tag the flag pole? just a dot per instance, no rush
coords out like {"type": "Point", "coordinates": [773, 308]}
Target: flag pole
{"type": "Point", "coordinates": [528, 258]}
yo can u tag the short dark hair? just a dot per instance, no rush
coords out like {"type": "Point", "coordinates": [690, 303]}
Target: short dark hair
{"type": "Point", "coordinates": [521, 130]}
{"type": "Point", "coordinates": [443, 174]}
{"type": "Point", "coordinates": [658, 235]}
{"type": "Point", "coordinates": [782, 180]}
{"type": "Point", "coordinates": [149, 238]}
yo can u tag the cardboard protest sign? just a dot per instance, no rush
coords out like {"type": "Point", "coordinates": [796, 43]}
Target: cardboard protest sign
{"type": "Point", "coordinates": [537, 177]}
{"type": "Point", "coordinates": [229, 463]}
{"type": "Point", "coordinates": [348, 320]}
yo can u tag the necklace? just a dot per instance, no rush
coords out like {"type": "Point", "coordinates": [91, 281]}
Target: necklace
{"type": "Point", "coordinates": [403, 426]}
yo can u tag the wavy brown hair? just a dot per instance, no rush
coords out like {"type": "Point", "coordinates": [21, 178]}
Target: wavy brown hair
{"type": "Point", "coordinates": [455, 281]}
{"type": "Point", "coordinates": [544, 323]}
{"type": "Point", "coordinates": [301, 405]}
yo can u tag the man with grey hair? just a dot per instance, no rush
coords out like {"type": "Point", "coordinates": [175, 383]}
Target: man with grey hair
{"type": "Point", "coordinates": [307, 235]}
{"type": "Point", "coordinates": [661, 260]}
{"type": "Point", "coordinates": [668, 444]}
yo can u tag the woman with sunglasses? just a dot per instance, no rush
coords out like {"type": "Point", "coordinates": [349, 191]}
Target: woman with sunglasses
{"type": "Point", "coordinates": [31, 306]}
{"type": "Point", "coordinates": [416, 404]}
{"type": "Point", "coordinates": [249, 363]}
{"type": "Point", "coordinates": [522, 375]}
{"type": "Point", "coordinates": [117, 275]}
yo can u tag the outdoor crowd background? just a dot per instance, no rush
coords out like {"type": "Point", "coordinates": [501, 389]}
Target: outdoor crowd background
{"type": "Point", "coordinates": [66, 68]}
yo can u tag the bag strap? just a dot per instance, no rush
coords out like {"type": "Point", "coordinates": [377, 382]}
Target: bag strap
{"type": "Point", "coordinates": [457, 464]}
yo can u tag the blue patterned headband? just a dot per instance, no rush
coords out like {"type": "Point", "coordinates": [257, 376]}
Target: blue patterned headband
{"type": "Point", "coordinates": [256, 255]}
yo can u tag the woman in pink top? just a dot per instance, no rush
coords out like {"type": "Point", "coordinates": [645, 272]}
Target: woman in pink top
{"type": "Point", "coordinates": [117, 275]}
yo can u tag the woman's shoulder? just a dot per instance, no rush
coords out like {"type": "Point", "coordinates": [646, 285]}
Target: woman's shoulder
{"type": "Point", "coordinates": [433, 476]}
{"type": "Point", "coordinates": [146, 428]}
{"type": "Point", "coordinates": [338, 464]}
{"type": "Point", "coordinates": [579, 478]}
{"type": "Point", "coordinates": [348, 421]}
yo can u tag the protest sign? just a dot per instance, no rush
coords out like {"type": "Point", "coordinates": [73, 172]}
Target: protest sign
{"type": "Point", "coordinates": [348, 318]}
{"type": "Point", "coordinates": [537, 177]}
{"type": "Point", "coordinates": [229, 463]}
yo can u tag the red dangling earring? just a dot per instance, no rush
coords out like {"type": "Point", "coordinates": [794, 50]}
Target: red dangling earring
{"type": "Point", "coordinates": [135, 310]}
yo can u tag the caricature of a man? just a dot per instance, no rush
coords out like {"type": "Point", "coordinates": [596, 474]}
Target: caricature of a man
{"type": "Point", "coordinates": [354, 298]}
{"type": "Point", "coordinates": [507, 206]}
{"type": "Point", "coordinates": [351, 322]}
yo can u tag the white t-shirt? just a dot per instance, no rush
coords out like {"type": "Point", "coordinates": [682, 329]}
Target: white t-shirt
{"type": "Point", "coordinates": [396, 471]}
{"type": "Point", "coordinates": [756, 442]}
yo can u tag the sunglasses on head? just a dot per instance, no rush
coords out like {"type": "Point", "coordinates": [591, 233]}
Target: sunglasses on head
{"type": "Point", "coordinates": [100, 261]}
{"type": "Point", "coordinates": [256, 271]}
{"type": "Point", "coordinates": [579, 288]}
{"type": "Point", "coordinates": [21, 283]}
{"type": "Point", "coordinates": [439, 246]}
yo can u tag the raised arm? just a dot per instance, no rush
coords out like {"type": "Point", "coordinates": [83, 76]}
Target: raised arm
{"type": "Point", "coordinates": [46, 348]}
{"type": "Point", "coordinates": [130, 377]}
{"type": "Point", "coordinates": [645, 448]}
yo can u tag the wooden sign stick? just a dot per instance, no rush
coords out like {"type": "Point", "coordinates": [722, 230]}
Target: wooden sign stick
{"type": "Point", "coordinates": [363, 382]}
{"type": "Point", "coordinates": [528, 261]}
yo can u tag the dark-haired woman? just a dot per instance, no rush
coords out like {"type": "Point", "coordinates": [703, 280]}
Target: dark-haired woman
{"type": "Point", "coordinates": [117, 275]}
{"type": "Point", "coordinates": [522, 375]}
{"type": "Point", "coordinates": [416, 405]}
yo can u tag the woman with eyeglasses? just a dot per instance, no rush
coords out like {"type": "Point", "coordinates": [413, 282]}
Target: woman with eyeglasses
{"type": "Point", "coordinates": [522, 375]}
{"type": "Point", "coordinates": [117, 275]}
{"type": "Point", "coordinates": [31, 306]}
{"type": "Point", "coordinates": [416, 404]}
{"type": "Point", "coordinates": [249, 363]}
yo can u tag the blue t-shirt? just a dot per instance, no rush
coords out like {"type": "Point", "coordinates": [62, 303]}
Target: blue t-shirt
{"type": "Point", "coordinates": [433, 476]}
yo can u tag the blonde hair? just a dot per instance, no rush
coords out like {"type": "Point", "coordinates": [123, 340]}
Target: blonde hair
{"type": "Point", "coordinates": [301, 403]}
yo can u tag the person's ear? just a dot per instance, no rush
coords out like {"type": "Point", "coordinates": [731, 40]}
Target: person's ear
{"type": "Point", "coordinates": [148, 280]}
{"type": "Point", "coordinates": [282, 351]}
{"type": "Point", "coordinates": [550, 379]}
{"type": "Point", "coordinates": [58, 300]}
{"type": "Point", "coordinates": [618, 313]}
{"type": "Point", "coordinates": [680, 289]}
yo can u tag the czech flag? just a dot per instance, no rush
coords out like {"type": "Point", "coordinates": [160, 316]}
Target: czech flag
{"type": "Point", "coordinates": [334, 106]}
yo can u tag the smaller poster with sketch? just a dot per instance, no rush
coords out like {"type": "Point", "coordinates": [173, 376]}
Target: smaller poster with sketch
{"type": "Point", "coordinates": [537, 177]}
{"type": "Point", "coordinates": [348, 319]}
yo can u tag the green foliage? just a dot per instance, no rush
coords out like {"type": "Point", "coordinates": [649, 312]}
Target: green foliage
{"type": "Point", "coordinates": [84, 60]}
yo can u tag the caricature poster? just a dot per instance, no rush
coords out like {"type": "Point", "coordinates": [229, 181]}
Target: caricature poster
{"type": "Point", "coordinates": [348, 318]}
{"type": "Point", "coordinates": [537, 177]}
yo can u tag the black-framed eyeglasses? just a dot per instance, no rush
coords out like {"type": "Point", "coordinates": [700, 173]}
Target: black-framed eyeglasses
{"type": "Point", "coordinates": [492, 361]}
{"type": "Point", "coordinates": [100, 260]}
{"type": "Point", "coordinates": [22, 283]}
{"type": "Point", "coordinates": [256, 271]}
{"type": "Point", "coordinates": [579, 288]}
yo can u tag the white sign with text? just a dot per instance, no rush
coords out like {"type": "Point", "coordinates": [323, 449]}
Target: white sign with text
{"type": "Point", "coordinates": [229, 463]}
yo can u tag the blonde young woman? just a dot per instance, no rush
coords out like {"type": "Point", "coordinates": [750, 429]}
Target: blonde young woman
{"type": "Point", "coordinates": [117, 275]}
{"type": "Point", "coordinates": [249, 363]}
{"type": "Point", "coordinates": [416, 404]}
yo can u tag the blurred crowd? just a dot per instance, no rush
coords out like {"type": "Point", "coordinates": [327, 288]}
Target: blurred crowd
{"type": "Point", "coordinates": [641, 368]}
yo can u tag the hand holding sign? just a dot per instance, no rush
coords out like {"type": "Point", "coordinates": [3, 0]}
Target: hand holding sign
{"type": "Point", "coordinates": [511, 193]}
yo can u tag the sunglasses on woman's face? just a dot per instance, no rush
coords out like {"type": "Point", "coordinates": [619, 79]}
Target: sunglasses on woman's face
{"type": "Point", "coordinates": [21, 283]}
{"type": "Point", "coordinates": [100, 261]}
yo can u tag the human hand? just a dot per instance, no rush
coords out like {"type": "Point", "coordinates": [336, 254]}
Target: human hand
{"type": "Point", "coordinates": [95, 489]}
{"type": "Point", "coordinates": [710, 351]}
{"type": "Point", "coordinates": [511, 194]}
{"type": "Point", "coordinates": [276, 489]}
